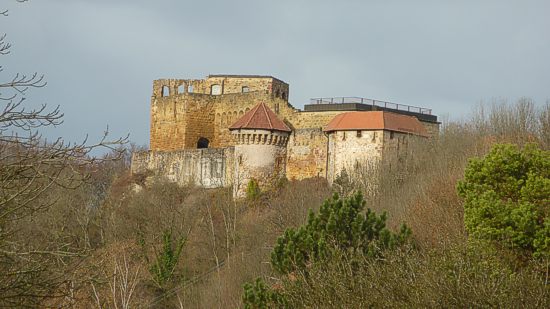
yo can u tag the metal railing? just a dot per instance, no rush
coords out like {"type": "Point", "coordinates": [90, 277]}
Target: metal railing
{"type": "Point", "coordinates": [384, 104]}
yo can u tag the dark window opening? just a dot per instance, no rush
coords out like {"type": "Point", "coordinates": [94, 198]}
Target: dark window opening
{"type": "Point", "coordinates": [344, 136]}
{"type": "Point", "coordinates": [359, 134]}
{"type": "Point", "coordinates": [391, 134]}
{"type": "Point", "coordinates": [283, 95]}
{"type": "Point", "coordinates": [202, 143]}
{"type": "Point", "coordinates": [165, 91]}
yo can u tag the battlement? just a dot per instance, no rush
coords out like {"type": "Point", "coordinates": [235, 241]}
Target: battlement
{"type": "Point", "coordinates": [216, 85]}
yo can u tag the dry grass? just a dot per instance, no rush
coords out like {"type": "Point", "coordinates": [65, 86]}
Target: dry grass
{"type": "Point", "coordinates": [229, 243]}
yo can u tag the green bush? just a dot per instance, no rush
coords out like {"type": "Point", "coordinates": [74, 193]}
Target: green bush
{"type": "Point", "coordinates": [253, 189]}
{"type": "Point", "coordinates": [507, 198]}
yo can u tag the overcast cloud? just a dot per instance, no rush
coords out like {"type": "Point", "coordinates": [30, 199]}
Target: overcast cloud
{"type": "Point", "coordinates": [101, 56]}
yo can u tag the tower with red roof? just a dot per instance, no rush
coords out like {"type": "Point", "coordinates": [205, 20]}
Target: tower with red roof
{"type": "Point", "coordinates": [260, 149]}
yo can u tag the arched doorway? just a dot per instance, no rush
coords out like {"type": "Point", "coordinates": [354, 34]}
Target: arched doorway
{"type": "Point", "coordinates": [202, 143]}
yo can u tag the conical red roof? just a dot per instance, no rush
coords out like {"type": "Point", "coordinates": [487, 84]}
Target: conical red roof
{"type": "Point", "coordinates": [260, 117]}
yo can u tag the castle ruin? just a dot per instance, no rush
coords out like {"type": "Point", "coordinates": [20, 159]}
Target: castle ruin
{"type": "Point", "coordinates": [225, 130]}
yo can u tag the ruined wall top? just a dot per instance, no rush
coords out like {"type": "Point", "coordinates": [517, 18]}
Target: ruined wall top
{"type": "Point", "coordinates": [220, 85]}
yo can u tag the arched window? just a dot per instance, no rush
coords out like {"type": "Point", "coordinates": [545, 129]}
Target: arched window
{"type": "Point", "coordinates": [190, 88]}
{"type": "Point", "coordinates": [165, 91]}
{"type": "Point", "coordinates": [181, 89]}
{"type": "Point", "coordinates": [215, 89]}
{"type": "Point", "coordinates": [202, 143]}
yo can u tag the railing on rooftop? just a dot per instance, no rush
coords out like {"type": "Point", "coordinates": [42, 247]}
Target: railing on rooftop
{"type": "Point", "coordinates": [384, 104]}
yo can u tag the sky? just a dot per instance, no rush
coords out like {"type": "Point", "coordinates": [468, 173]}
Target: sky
{"type": "Point", "coordinates": [100, 57]}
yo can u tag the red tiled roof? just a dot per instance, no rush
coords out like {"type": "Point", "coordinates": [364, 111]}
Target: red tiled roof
{"type": "Point", "coordinates": [260, 117]}
{"type": "Point", "coordinates": [377, 120]}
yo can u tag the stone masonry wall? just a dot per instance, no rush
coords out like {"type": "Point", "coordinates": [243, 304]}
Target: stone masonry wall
{"type": "Point", "coordinates": [347, 148]}
{"type": "Point", "coordinates": [179, 117]}
{"type": "Point", "coordinates": [227, 84]}
{"type": "Point", "coordinates": [432, 128]}
{"type": "Point", "coordinates": [178, 121]}
{"type": "Point", "coordinates": [264, 163]}
{"type": "Point", "coordinates": [209, 168]}
{"type": "Point", "coordinates": [183, 110]}
{"type": "Point", "coordinates": [306, 154]}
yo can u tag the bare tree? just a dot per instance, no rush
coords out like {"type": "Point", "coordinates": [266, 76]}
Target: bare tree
{"type": "Point", "coordinates": [31, 166]}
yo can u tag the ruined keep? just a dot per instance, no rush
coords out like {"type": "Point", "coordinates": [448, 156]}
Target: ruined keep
{"type": "Point", "coordinates": [225, 130]}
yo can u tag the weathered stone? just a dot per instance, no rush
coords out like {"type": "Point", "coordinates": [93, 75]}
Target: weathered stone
{"type": "Point", "coordinates": [189, 114]}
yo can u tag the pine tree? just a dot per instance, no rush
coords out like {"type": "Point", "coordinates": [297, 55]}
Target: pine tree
{"type": "Point", "coordinates": [340, 225]}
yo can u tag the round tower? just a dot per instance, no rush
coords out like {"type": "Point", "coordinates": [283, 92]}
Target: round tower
{"type": "Point", "coordinates": [260, 149]}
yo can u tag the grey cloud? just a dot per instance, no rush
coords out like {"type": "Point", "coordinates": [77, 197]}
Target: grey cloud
{"type": "Point", "coordinates": [100, 57]}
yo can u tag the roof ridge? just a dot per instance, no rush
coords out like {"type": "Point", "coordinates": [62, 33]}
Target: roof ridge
{"type": "Point", "coordinates": [252, 113]}
{"type": "Point", "coordinates": [267, 116]}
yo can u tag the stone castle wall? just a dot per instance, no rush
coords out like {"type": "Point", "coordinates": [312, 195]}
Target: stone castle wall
{"type": "Point", "coordinates": [186, 110]}
{"type": "Point", "coordinates": [180, 117]}
{"type": "Point", "coordinates": [208, 168]}
{"type": "Point", "coordinates": [307, 154]}
{"type": "Point", "coordinates": [348, 148]}
{"type": "Point", "coordinates": [227, 85]}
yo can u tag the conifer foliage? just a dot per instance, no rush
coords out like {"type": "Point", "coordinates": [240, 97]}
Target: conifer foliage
{"type": "Point", "coordinates": [164, 266]}
{"type": "Point", "coordinates": [507, 198]}
{"type": "Point", "coordinates": [340, 225]}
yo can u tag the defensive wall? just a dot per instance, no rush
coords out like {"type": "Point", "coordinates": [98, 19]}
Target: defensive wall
{"type": "Point", "coordinates": [188, 114]}
{"type": "Point", "coordinates": [208, 168]}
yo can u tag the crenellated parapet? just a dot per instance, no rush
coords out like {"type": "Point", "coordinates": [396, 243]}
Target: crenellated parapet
{"type": "Point", "coordinates": [260, 137]}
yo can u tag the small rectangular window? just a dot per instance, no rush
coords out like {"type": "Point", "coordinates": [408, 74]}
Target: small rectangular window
{"type": "Point", "coordinates": [344, 136]}
{"type": "Point", "coordinates": [391, 134]}
{"type": "Point", "coordinates": [165, 92]}
{"type": "Point", "coordinates": [359, 134]}
{"type": "Point", "coordinates": [245, 89]}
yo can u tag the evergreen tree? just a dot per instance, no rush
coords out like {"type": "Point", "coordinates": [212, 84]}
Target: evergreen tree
{"type": "Point", "coordinates": [339, 225]}
{"type": "Point", "coordinates": [507, 197]}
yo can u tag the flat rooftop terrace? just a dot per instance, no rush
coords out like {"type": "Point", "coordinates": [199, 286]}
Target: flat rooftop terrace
{"type": "Point", "coordinates": [364, 104]}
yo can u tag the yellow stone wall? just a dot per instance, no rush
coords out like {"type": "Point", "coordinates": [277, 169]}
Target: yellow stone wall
{"type": "Point", "coordinates": [307, 154]}
{"type": "Point", "coordinates": [181, 115]}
